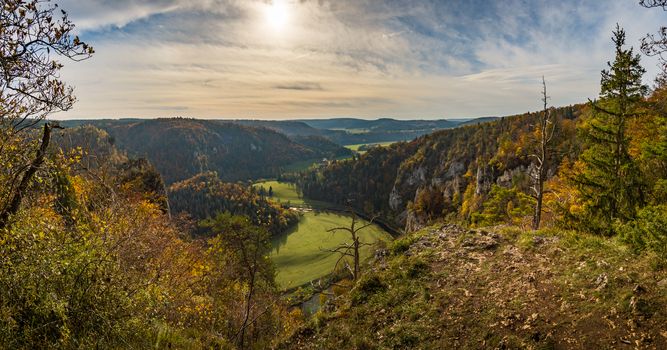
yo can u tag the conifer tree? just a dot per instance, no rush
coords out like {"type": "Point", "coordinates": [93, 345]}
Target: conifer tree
{"type": "Point", "coordinates": [609, 182]}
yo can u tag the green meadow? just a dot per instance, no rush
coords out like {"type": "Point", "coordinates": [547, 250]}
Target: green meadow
{"type": "Point", "coordinates": [299, 254]}
{"type": "Point", "coordinates": [357, 146]}
{"type": "Point", "coordinates": [284, 192]}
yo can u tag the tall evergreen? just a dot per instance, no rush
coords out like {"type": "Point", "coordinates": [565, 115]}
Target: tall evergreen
{"type": "Point", "coordinates": [609, 182]}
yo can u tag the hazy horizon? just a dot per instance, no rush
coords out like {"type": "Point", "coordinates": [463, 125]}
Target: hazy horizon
{"type": "Point", "coordinates": [288, 59]}
{"type": "Point", "coordinates": [283, 119]}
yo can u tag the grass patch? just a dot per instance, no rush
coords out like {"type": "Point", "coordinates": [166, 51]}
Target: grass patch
{"type": "Point", "coordinates": [402, 245]}
{"type": "Point", "coordinates": [367, 287]}
{"type": "Point", "coordinates": [357, 146]}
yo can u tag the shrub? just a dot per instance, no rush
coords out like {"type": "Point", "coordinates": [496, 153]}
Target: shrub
{"type": "Point", "coordinates": [417, 268]}
{"type": "Point", "coordinates": [401, 245]}
{"type": "Point", "coordinates": [648, 231]}
{"type": "Point", "coordinates": [504, 205]}
{"type": "Point", "coordinates": [366, 288]}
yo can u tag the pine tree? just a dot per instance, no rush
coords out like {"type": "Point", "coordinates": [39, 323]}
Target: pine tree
{"type": "Point", "coordinates": [609, 182]}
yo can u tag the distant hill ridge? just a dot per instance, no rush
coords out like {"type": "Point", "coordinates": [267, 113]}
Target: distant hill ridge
{"type": "Point", "coordinates": [181, 148]}
{"type": "Point", "coordinates": [249, 149]}
{"type": "Point", "coordinates": [343, 131]}
{"type": "Point", "coordinates": [350, 131]}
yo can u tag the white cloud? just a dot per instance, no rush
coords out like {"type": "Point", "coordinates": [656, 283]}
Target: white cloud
{"type": "Point", "coordinates": [215, 58]}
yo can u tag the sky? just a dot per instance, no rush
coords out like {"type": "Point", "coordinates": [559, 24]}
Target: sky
{"type": "Point", "coordinates": [291, 59]}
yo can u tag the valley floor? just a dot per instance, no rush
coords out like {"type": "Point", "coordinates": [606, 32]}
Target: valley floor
{"type": "Point", "coordinates": [301, 254]}
{"type": "Point", "coordinates": [453, 288]}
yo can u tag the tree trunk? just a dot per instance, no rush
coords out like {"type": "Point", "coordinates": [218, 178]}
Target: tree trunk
{"type": "Point", "coordinates": [22, 188]}
{"type": "Point", "coordinates": [537, 217]}
{"type": "Point", "coordinates": [248, 305]}
{"type": "Point", "coordinates": [546, 135]}
{"type": "Point", "coordinates": [356, 259]}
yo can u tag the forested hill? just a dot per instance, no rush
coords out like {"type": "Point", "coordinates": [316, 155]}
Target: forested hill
{"type": "Point", "coordinates": [385, 124]}
{"type": "Point", "coordinates": [287, 127]}
{"type": "Point", "coordinates": [350, 131]}
{"type": "Point", "coordinates": [181, 148]}
{"type": "Point", "coordinates": [204, 196]}
{"type": "Point", "coordinates": [443, 173]}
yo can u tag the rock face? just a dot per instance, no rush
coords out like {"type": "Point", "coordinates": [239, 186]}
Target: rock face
{"type": "Point", "coordinates": [483, 180]}
{"type": "Point", "coordinates": [455, 170]}
{"type": "Point", "coordinates": [412, 222]}
{"type": "Point", "coordinates": [449, 180]}
{"type": "Point", "coordinates": [508, 177]}
{"type": "Point", "coordinates": [395, 200]}
{"type": "Point", "coordinates": [417, 177]}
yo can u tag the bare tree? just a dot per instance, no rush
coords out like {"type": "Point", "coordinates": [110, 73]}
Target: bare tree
{"type": "Point", "coordinates": [656, 44]}
{"type": "Point", "coordinates": [350, 249]}
{"type": "Point", "coordinates": [654, 3]}
{"type": "Point", "coordinates": [545, 130]}
{"type": "Point", "coordinates": [32, 35]}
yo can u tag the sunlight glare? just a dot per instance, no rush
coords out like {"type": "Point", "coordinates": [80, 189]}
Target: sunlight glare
{"type": "Point", "coordinates": [277, 14]}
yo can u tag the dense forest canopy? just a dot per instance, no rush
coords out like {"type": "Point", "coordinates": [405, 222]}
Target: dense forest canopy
{"type": "Point", "coordinates": [205, 195]}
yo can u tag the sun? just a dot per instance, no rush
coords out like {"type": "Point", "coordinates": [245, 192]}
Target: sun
{"type": "Point", "coordinates": [277, 14]}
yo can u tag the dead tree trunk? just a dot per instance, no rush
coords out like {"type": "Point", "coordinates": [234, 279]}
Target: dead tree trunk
{"type": "Point", "coordinates": [351, 249]}
{"type": "Point", "coordinates": [545, 129]}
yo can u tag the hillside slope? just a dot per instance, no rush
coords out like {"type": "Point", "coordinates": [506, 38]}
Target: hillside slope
{"type": "Point", "coordinates": [181, 148]}
{"type": "Point", "coordinates": [350, 131]}
{"type": "Point", "coordinates": [433, 176]}
{"type": "Point", "coordinates": [448, 287]}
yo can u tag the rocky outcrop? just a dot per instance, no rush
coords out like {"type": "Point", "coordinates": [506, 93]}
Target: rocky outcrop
{"type": "Point", "coordinates": [417, 177]}
{"type": "Point", "coordinates": [395, 200]}
{"type": "Point", "coordinates": [413, 222]}
{"type": "Point", "coordinates": [455, 170]}
{"type": "Point", "coordinates": [510, 176]}
{"type": "Point", "coordinates": [449, 287]}
{"type": "Point", "coordinates": [483, 180]}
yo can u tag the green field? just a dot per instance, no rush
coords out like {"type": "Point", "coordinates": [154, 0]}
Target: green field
{"type": "Point", "coordinates": [356, 147]}
{"type": "Point", "coordinates": [301, 165]}
{"type": "Point", "coordinates": [286, 192]}
{"type": "Point", "coordinates": [298, 254]}
{"type": "Point", "coordinates": [282, 192]}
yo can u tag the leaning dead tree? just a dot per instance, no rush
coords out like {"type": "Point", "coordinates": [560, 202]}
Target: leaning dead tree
{"type": "Point", "coordinates": [33, 34]}
{"type": "Point", "coordinates": [544, 132]}
{"type": "Point", "coordinates": [350, 249]}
